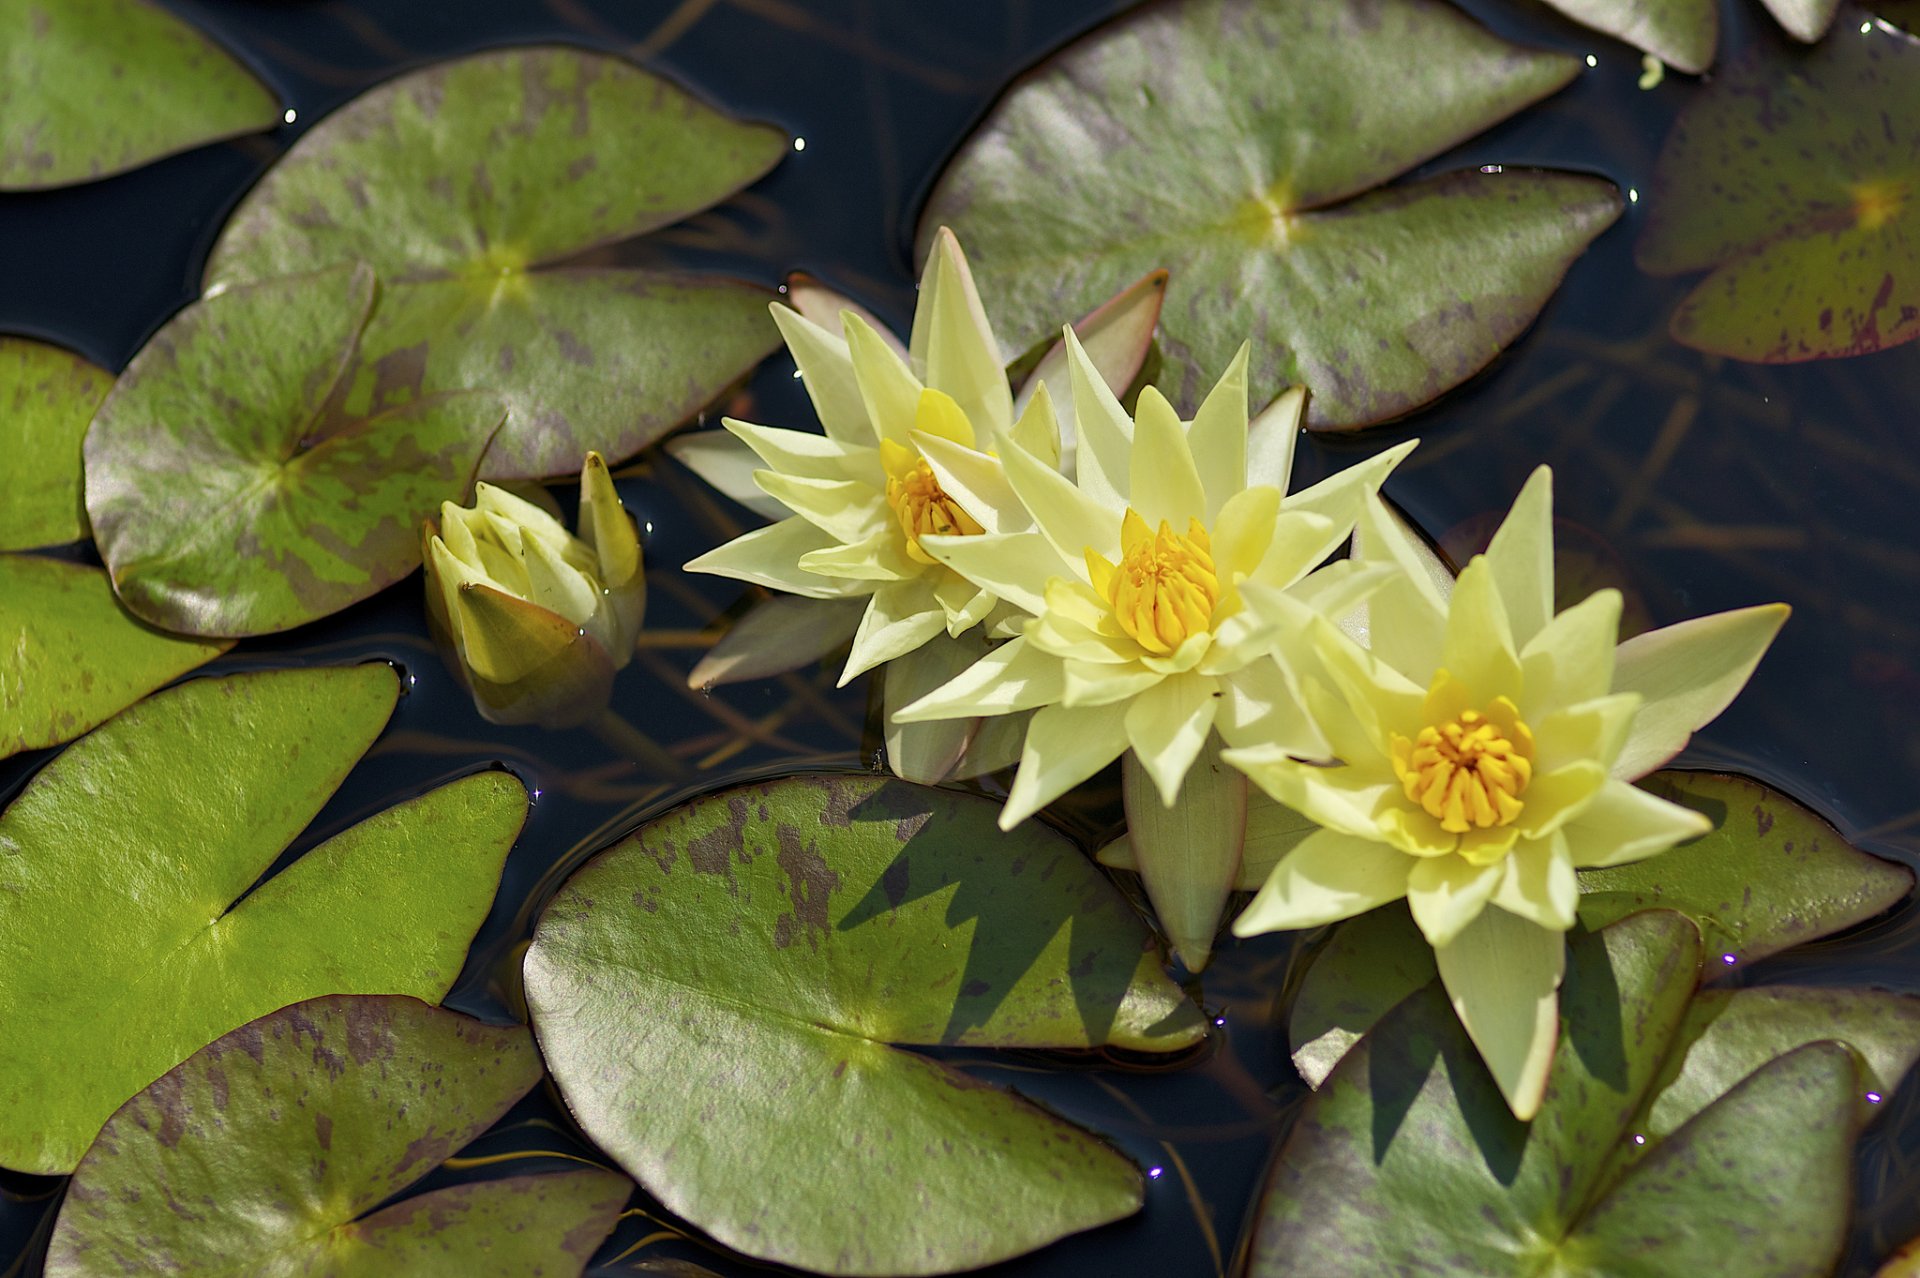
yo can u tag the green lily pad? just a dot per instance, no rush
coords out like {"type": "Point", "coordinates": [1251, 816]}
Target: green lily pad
{"type": "Point", "coordinates": [765, 953]}
{"type": "Point", "coordinates": [1794, 182]}
{"type": "Point", "coordinates": [221, 506]}
{"type": "Point", "coordinates": [1681, 33]}
{"type": "Point", "coordinates": [1407, 1160]}
{"type": "Point", "coordinates": [47, 397]}
{"type": "Point", "coordinates": [90, 88]}
{"type": "Point", "coordinates": [467, 186]}
{"type": "Point", "coordinates": [1772, 875]}
{"type": "Point", "coordinates": [131, 931]}
{"type": "Point", "coordinates": [74, 656]}
{"type": "Point", "coordinates": [1237, 143]}
{"type": "Point", "coordinates": [284, 1135]}
{"type": "Point", "coordinates": [1804, 20]}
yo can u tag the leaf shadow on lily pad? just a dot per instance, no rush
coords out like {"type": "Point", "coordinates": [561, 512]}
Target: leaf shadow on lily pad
{"type": "Point", "coordinates": [470, 187]}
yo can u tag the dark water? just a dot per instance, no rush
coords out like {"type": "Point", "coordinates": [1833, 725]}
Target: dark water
{"type": "Point", "coordinates": [1695, 483]}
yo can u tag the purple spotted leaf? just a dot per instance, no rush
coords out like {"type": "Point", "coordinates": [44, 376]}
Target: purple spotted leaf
{"type": "Point", "coordinates": [47, 397]}
{"type": "Point", "coordinates": [270, 1148]}
{"type": "Point", "coordinates": [1794, 178]}
{"type": "Point", "coordinates": [467, 186]}
{"type": "Point", "coordinates": [728, 997]}
{"type": "Point", "coordinates": [90, 88]}
{"type": "Point", "coordinates": [135, 926]}
{"type": "Point", "coordinates": [1242, 145]}
{"type": "Point", "coordinates": [222, 506]}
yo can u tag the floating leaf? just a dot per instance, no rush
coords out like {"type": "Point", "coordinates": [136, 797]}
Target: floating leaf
{"type": "Point", "coordinates": [1793, 180]}
{"type": "Point", "coordinates": [1772, 875]}
{"type": "Point", "coordinates": [466, 186]}
{"type": "Point", "coordinates": [47, 397]}
{"type": "Point", "coordinates": [284, 1135]}
{"type": "Point", "coordinates": [1407, 1159]}
{"type": "Point", "coordinates": [90, 88]}
{"type": "Point", "coordinates": [1237, 143]}
{"type": "Point", "coordinates": [760, 953]}
{"type": "Point", "coordinates": [1681, 33]}
{"type": "Point", "coordinates": [1804, 20]}
{"type": "Point", "coordinates": [131, 931]}
{"type": "Point", "coordinates": [222, 508]}
{"type": "Point", "coordinates": [74, 658]}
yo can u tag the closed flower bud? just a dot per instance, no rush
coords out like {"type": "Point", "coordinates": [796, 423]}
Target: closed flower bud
{"type": "Point", "coordinates": [537, 619]}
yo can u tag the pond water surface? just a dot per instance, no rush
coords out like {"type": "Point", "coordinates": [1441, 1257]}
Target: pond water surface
{"type": "Point", "coordinates": [1696, 484]}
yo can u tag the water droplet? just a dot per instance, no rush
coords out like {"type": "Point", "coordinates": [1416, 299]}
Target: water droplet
{"type": "Point", "coordinates": [1633, 195]}
{"type": "Point", "coordinates": [1592, 61]}
{"type": "Point", "coordinates": [290, 115]}
{"type": "Point", "coordinates": [1490, 168]}
{"type": "Point", "coordinates": [1154, 1173]}
{"type": "Point", "coordinates": [1639, 1139]}
{"type": "Point", "coordinates": [1873, 1098]}
{"type": "Point", "coordinates": [1728, 959]}
{"type": "Point", "coordinates": [1865, 28]}
{"type": "Point", "coordinates": [799, 144]}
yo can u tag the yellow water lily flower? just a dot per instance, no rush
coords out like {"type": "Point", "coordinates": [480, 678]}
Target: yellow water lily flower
{"type": "Point", "coordinates": [1135, 573]}
{"type": "Point", "coordinates": [861, 497]}
{"type": "Point", "coordinates": [537, 619]}
{"type": "Point", "coordinates": [1482, 749]}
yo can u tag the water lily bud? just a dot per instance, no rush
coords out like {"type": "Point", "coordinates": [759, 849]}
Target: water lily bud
{"type": "Point", "coordinates": [537, 619]}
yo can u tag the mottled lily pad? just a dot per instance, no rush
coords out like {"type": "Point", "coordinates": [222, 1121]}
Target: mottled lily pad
{"type": "Point", "coordinates": [1408, 1160]}
{"type": "Point", "coordinates": [1683, 33]}
{"type": "Point", "coordinates": [90, 88]}
{"type": "Point", "coordinates": [725, 997]}
{"type": "Point", "coordinates": [131, 929]}
{"type": "Point", "coordinates": [1772, 875]}
{"type": "Point", "coordinates": [73, 657]}
{"type": "Point", "coordinates": [47, 397]}
{"type": "Point", "coordinates": [1793, 179]}
{"type": "Point", "coordinates": [282, 1136]}
{"type": "Point", "coordinates": [220, 504]}
{"type": "Point", "coordinates": [1239, 144]}
{"type": "Point", "coordinates": [467, 186]}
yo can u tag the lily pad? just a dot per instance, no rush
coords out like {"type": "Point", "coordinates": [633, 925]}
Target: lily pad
{"type": "Point", "coordinates": [1793, 180]}
{"type": "Point", "coordinates": [281, 1137]}
{"type": "Point", "coordinates": [1681, 33]}
{"type": "Point", "coordinates": [222, 507]}
{"type": "Point", "coordinates": [47, 397]}
{"type": "Point", "coordinates": [90, 88]}
{"type": "Point", "coordinates": [767, 952]}
{"type": "Point", "coordinates": [1770, 876]}
{"type": "Point", "coordinates": [467, 186]}
{"type": "Point", "coordinates": [131, 929]}
{"type": "Point", "coordinates": [1408, 1160]}
{"type": "Point", "coordinates": [1238, 143]}
{"type": "Point", "coordinates": [74, 657]}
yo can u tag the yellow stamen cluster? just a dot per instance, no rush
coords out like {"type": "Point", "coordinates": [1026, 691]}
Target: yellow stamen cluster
{"type": "Point", "coordinates": [1469, 772]}
{"type": "Point", "coordinates": [1165, 587]}
{"type": "Point", "coordinates": [919, 503]}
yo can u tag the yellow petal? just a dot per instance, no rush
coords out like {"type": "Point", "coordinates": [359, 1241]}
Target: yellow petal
{"type": "Point", "coordinates": [1349, 799]}
{"type": "Point", "coordinates": [1167, 724]}
{"type": "Point", "coordinates": [770, 557]}
{"type": "Point", "coordinates": [1327, 877]}
{"type": "Point", "coordinates": [1163, 483]}
{"type": "Point", "coordinates": [728, 465]}
{"type": "Point", "coordinates": [826, 370]}
{"type": "Point", "coordinates": [1503, 976]}
{"type": "Point", "coordinates": [848, 510]}
{"type": "Point", "coordinates": [1479, 648]}
{"type": "Point", "coordinates": [606, 526]}
{"type": "Point", "coordinates": [1094, 683]}
{"type": "Point", "coordinates": [1687, 674]}
{"type": "Point", "coordinates": [1014, 566]}
{"type": "Point", "coordinates": [503, 639]}
{"type": "Point", "coordinates": [1037, 430]}
{"type": "Point", "coordinates": [954, 344]}
{"type": "Point", "coordinates": [554, 585]}
{"type": "Point", "coordinates": [802, 452]}
{"type": "Point", "coordinates": [1116, 336]}
{"type": "Point", "coordinates": [1218, 438]}
{"type": "Point", "coordinates": [1539, 885]}
{"type": "Point", "coordinates": [978, 482]}
{"type": "Point", "coordinates": [1624, 823]}
{"type": "Point", "coordinates": [1103, 432]}
{"type": "Point", "coordinates": [1520, 558]}
{"type": "Point", "coordinates": [1065, 745]}
{"type": "Point", "coordinates": [1271, 437]}
{"type": "Point", "coordinates": [1243, 530]}
{"type": "Point", "coordinates": [941, 416]}
{"type": "Point", "coordinates": [1010, 677]}
{"type": "Point", "coordinates": [900, 617]}
{"type": "Point", "coordinates": [887, 387]}
{"type": "Point", "coordinates": [881, 557]}
{"type": "Point", "coordinates": [1067, 516]}
{"type": "Point", "coordinates": [1446, 893]}
{"type": "Point", "coordinates": [1570, 659]}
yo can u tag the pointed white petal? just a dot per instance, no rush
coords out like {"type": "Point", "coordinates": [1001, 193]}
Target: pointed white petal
{"type": "Point", "coordinates": [1570, 659]}
{"type": "Point", "coordinates": [1163, 484]}
{"type": "Point", "coordinates": [900, 617]}
{"type": "Point", "coordinates": [887, 387]}
{"type": "Point", "coordinates": [1624, 823]}
{"type": "Point", "coordinates": [1103, 432]}
{"type": "Point", "coordinates": [1218, 437]}
{"type": "Point", "coordinates": [1538, 883]}
{"type": "Point", "coordinates": [1271, 437]}
{"type": "Point", "coordinates": [1064, 747]}
{"type": "Point", "coordinates": [826, 370]}
{"type": "Point", "coordinates": [828, 307]}
{"type": "Point", "coordinates": [770, 557]}
{"type": "Point", "coordinates": [955, 342]}
{"type": "Point", "coordinates": [1503, 975]}
{"type": "Point", "coordinates": [1167, 724]}
{"type": "Point", "coordinates": [1521, 557]}
{"type": "Point", "coordinates": [1014, 566]}
{"type": "Point", "coordinates": [1069, 519]}
{"type": "Point", "coordinates": [1009, 678]}
{"type": "Point", "coordinates": [1446, 893]}
{"type": "Point", "coordinates": [1688, 674]}
{"type": "Point", "coordinates": [727, 464]}
{"type": "Point", "coordinates": [1328, 877]}
{"type": "Point", "coordinates": [977, 481]}
{"type": "Point", "coordinates": [804, 453]}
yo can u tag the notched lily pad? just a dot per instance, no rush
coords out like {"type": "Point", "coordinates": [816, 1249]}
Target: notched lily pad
{"type": "Point", "coordinates": [73, 656]}
{"type": "Point", "coordinates": [467, 186]}
{"type": "Point", "coordinates": [47, 397]}
{"type": "Point", "coordinates": [1772, 875]}
{"type": "Point", "coordinates": [764, 954]}
{"type": "Point", "coordinates": [90, 88]}
{"type": "Point", "coordinates": [280, 1138]}
{"type": "Point", "coordinates": [1793, 179]}
{"type": "Point", "coordinates": [1238, 143]}
{"type": "Point", "coordinates": [1408, 1160]}
{"type": "Point", "coordinates": [222, 506]}
{"type": "Point", "coordinates": [131, 929]}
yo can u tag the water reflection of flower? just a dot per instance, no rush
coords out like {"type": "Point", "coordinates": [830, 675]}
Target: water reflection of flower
{"type": "Point", "coordinates": [1481, 749]}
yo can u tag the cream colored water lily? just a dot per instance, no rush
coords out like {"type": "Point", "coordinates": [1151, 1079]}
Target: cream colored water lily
{"type": "Point", "coordinates": [1135, 573]}
{"type": "Point", "coordinates": [1482, 751]}
{"type": "Point", "coordinates": [851, 505]}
